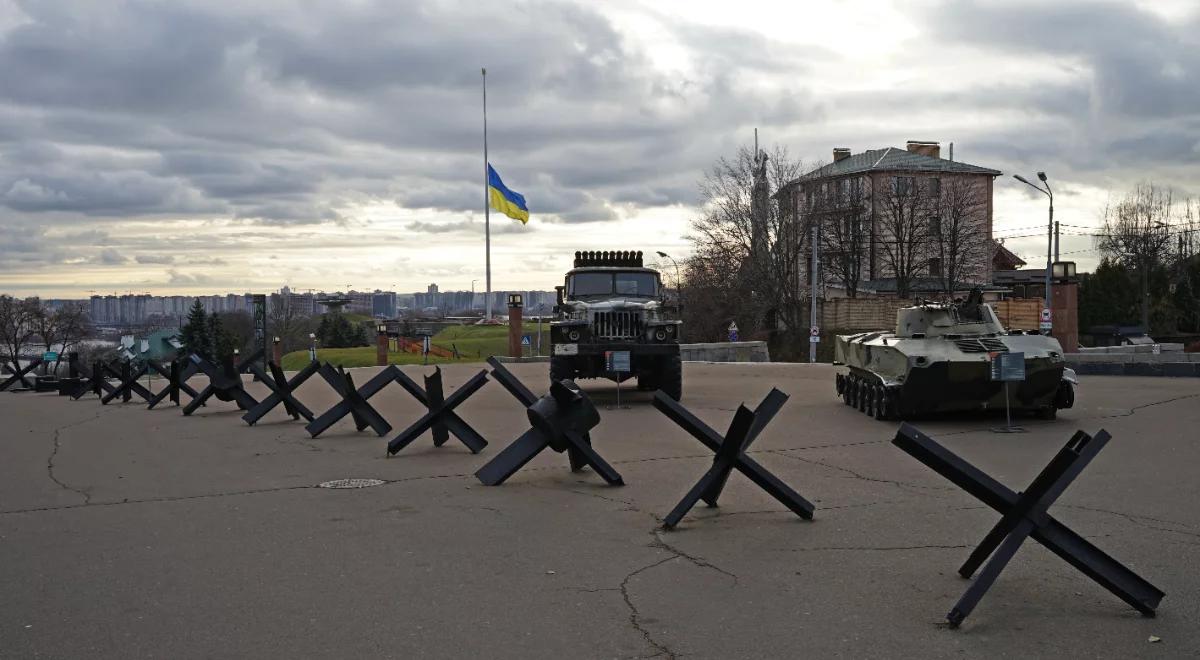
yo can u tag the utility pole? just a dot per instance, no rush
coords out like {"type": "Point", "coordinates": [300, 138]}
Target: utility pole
{"type": "Point", "coordinates": [1056, 240]}
{"type": "Point", "coordinates": [812, 308]}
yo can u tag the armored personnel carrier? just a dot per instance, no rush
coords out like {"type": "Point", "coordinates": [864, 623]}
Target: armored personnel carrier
{"type": "Point", "coordinates": [612, 306]}
{"type": "Point", "coordinates": [939, 360]}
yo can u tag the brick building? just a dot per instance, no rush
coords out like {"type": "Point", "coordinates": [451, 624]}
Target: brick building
{"type": "Point", "coordinates": [894, 220]}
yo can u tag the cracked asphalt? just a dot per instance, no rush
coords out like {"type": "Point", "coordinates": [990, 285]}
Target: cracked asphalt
{"type": "Point", "coordinates": [133, 533]}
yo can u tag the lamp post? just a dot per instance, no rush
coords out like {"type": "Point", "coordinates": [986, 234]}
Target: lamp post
{"type": "Point", "coordinates": [312, 347]}
{"type": "Point", "coordinates": [1049, 239]}
{"type": "Point", "coordinates": [678, 289]}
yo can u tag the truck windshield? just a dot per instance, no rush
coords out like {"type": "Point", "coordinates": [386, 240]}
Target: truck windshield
{"type": "Point", "coordinates": [637, 284]}
{"type": "Point", "coordinates": [626, 284]}
{"type": "Point", "coordinates": [591, 284]}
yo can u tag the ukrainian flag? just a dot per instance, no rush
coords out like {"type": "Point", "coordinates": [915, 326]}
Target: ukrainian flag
{"type": "Point", "coordinates": [504, 200]}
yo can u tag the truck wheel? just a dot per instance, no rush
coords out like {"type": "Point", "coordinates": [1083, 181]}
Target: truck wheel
{"type": "Point", "coordinates": [561, 368]}
{"type": "Point", "coordinates": [670, 377]}
{"type": "Point", "coordinates": [647, 381]}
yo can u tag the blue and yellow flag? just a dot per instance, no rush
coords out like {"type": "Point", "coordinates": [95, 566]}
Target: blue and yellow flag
{"type": "Point", "coordinates": [504, 200]}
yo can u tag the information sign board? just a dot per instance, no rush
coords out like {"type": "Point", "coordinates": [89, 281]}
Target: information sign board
{"type": "Point", "coordinates": [1008, 366]}
{"type": "Point", "coordinates": [617, 361]}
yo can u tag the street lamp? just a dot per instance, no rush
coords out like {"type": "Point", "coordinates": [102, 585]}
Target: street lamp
{"type": "Point", "coordinates": [678, 289]}
{"type": "Point", "coordinates": [312, 347]}
{"type": "Point", "coordinates": [1049, 234]}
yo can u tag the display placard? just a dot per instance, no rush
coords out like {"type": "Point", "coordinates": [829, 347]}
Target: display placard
{"type": "Point", "coordinates": [617, 361]}
{"type": "Point", "coordinates": [1008, 367]}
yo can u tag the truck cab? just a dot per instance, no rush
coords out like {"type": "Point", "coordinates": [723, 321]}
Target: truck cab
{"type": "Point", "coordinates": [613, 322]}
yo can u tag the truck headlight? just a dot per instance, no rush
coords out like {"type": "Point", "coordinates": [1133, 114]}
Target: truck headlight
{"type": "Point", "coordinates": [660, 334]}
{"type": "Point", "coordinates": [573, 335]}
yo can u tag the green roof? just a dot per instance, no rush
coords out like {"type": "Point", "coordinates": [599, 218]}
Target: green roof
{"type": "Point", "coordinates": [891, 159]}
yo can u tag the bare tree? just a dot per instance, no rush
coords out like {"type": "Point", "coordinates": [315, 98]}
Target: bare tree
{"type": "Point", "coordinates": [843, 231]}
{"type": "Point", "coordinates": [1137, 232]}
{"type": "Point", "coordinates": [745, 258]}
{"type": "Point", "coordinates": [958, 235]}
{"type": "Point", "coordinates": [286, 321]}
{"type": "Point", "coordinates": [16, 326]}
{"type": "Point", "coordinates": [904, 207]}
{"type": "Point", "coordinates": [1187, 228]}
{"type": "Point", "coordinates": [63, 327]}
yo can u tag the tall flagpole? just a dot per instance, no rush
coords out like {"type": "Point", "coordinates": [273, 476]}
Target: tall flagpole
{"type": "Point", "coordinates": [487, 210]}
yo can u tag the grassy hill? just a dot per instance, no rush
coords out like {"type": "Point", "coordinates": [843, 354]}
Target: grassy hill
{"type": "Point", "coordinates": [481, 341]}
{"type": "Point", "coordinates": [475, 343]}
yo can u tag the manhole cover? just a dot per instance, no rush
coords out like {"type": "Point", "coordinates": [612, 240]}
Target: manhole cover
{"type": "Point", "coordinates": [351, 483]}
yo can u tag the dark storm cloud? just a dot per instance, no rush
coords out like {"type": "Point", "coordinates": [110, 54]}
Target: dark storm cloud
{"type": "Point", "coordinates": [23, 247]}
{"type": "Point", "coordinates": [155, 259]}
{"type": "Point", "coordinates": [293, 114]}
{"type": "Point", "coordinates": [110, 257]}
{"type": "Point", "coordinates": [500, 225]}
{"type": "Point", "coordinates": [274, 113]}
{"type": "Point", "coordinates": [1143, 65]}
{"type": "Point", "coordinates": [1124, 104]}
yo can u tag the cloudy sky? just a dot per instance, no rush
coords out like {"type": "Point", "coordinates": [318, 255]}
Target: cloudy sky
{"type": "Point", "coordinates": [184, 147]}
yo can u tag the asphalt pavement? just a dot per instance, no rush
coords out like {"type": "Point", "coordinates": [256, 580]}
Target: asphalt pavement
{"type": "Point", "coordinates": [131, 533]}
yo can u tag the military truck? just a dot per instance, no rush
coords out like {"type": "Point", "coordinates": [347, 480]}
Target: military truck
{"type": "Point", "coordinates": [939, 358]}
{"type": "Point", "coordinates": [611, 305]}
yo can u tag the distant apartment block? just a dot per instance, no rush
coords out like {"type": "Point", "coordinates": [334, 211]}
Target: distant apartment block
{"type": "Point", "coordinates": [171, 310]}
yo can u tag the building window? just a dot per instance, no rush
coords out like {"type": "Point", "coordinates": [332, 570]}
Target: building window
{"type": "Point", "coordinates": [935, 267]}
{"type": "Point", "coordinates": [935, 188]}
{"type": "Point", "coordinates": [902, 185]}
{"type": "Point", "coordinates": [935, 226]}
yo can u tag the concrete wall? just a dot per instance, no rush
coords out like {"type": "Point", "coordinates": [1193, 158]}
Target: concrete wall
{"type": "Point", "coordinates": [1125, 350]}
{"type": "Point", "coordinates": [742, 351]}
{"type": "Point", "coordinates": [1173, 364]}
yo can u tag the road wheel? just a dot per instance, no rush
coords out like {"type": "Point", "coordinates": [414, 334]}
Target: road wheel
{"type": "Point", "coordinates": [670, 377]}
{"type": "Point", "coordinates": [881, 402]}
{"type": "Point", "coordinates": [861, 395]}
{"type": "Point", "coordinates": [1049, 412]}
{"type": "Point", "coordinates": [561, 368]}
{"type": "Point", "coordinates": [1065, 397]}
{"type": "Point", "coordinates": [869, 404]}
{"type": "Point", "coordinates": [647, 381]}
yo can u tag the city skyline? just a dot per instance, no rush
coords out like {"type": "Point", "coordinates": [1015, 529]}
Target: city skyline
{"type": "Point", "coordinates": [240, 147]}
{"type": "Point", "coordinates": [136, 308]}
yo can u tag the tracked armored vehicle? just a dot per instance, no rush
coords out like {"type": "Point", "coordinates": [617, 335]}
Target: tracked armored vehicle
{"type": "Point", "coordinates": [939, 360]}
{"type": "Point", "coordinates": [611, 304]}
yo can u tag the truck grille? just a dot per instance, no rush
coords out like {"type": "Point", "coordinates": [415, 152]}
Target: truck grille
{"type": "Point", "coordinates": [985, 345]}
{"type": "Point", "coordinates": [617, 325]}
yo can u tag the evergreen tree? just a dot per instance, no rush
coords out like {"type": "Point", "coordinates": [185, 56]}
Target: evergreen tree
{"type": "Point", "coordinates": [1187, 296]}
{"type": "Point", "coordinates": [194, 334]}
{"type": "Point", "coordinates": [360, 335]}
{"type": "Point", "coordinates": [221, 342]}
{"type": "Point", "coordinates": [1108, 296]}
{"type": "Point", "coordinates": [322, 330]}
{"type": "Point", "coordinates": [338, 327]}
